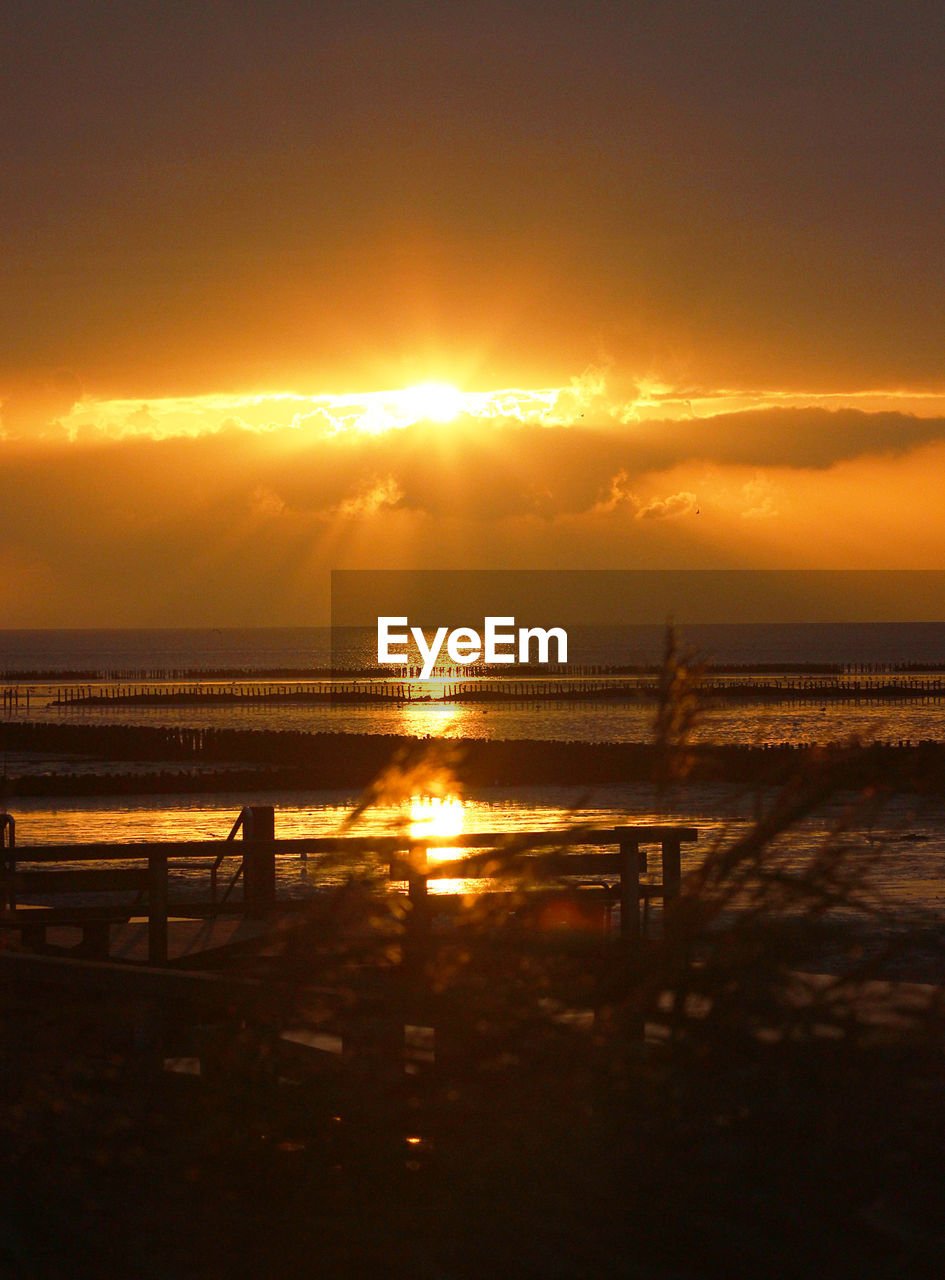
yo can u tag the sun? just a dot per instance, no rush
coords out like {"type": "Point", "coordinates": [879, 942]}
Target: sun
{"type": "Point", "coordinates": [433, 401]}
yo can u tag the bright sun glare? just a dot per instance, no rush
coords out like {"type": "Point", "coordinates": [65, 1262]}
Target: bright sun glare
{"type": "Point", "coordinates": [433, 816]}
{"type": "Point", "coordinates": [435, 401]}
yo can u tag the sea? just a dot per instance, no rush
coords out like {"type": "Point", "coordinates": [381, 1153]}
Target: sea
{"type": "Point", "coordinates": [38, 660]}
{"type": "Point", "coordinates": [178, 650]}
{"type": "Point", "coordinates": [912, 878]}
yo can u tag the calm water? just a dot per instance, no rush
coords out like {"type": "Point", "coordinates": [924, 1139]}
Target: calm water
{"type": "Point", "coordinates": [546, 720]}
{"type": "Point", "coordinates": [912, 875]}
{"type": "Point", "coordinates": [180, 651]}
{"type": "Point", "coordinates": [266, 648]}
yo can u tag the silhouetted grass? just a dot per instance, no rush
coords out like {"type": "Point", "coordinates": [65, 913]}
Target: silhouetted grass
{"type": "Point", "coordinates": [695, 1106]}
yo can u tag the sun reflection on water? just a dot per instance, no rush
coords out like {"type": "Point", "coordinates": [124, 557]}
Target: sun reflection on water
{"type": "Point", "coordinates": [435, 719]}
{"type": "Point", "coordinates": [436, 816]}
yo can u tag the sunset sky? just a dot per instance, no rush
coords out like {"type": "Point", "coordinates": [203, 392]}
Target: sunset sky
{"type": "Point", "coordinates": [289, 287]}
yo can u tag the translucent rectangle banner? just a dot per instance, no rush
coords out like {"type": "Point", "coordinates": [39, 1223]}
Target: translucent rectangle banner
{"type": "Point", "coordinates": [422, 625]}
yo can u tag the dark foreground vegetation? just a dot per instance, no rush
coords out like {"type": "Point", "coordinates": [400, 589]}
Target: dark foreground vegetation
{"type": "Point", "coordinates": [536, 1152]}
{"type": "Point", "coordinates": [692, 1106]}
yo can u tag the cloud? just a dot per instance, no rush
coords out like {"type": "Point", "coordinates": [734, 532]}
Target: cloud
{"type": "Point", "coordinates": [619, 494]}
{"type": "Point", "coordinates": [640, 427]}
{"type": "Point", "coordinates": [265, 504]}
{"type": "Point", "coordinates": [474, 469]}
{"type": "Point", "coordinates": [758, 494]}
{"type": "Point", "coordinates": [35, 405]}
{"type": "Point", "coordinates": [622, 495]}
{"type": "Point", "coordinates": [142, 531]}
{"type": "Point", "coordinates": [677, 504]}
{"type": "Point", "coordinates": [795, 437]}
{"type": "Point", "coordinates": [372, 499]}
{"type": "Point", "coordinates": [599, 393]}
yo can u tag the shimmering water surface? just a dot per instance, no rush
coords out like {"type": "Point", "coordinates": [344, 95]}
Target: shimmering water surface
{"type": "Point", "coordinates": [862, 648]}
{"type": "Point", "coordinates": [909, 834]}
{"type": "Point", "coordinates": [911, 871]}
{"type": "Point", "coordinates": [752, 722]}
{"type": "Point", "coordinates": [174, 650]}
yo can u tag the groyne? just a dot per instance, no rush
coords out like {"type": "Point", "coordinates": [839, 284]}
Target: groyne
{"type": "Point", "coordinates": [210, 759]}
{"type": "Point", "coordinates": [446, 686]}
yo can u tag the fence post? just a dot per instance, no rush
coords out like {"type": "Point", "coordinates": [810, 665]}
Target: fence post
{"type": "Point", "coordinates": [157, 907]}
{"type": "Point", "coordinates": [629, 887]}
{"type": "Point", "coordinates": [417, 934]}
{"type": "Point", "coordinates": [7, 858]}
{"type": "Point", "coordinates": [259, 859]}
{"type": "Point", "coordinates": [672, 867]}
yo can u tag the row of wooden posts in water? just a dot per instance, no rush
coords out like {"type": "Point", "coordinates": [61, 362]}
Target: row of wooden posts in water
{"type": "Point", "coordinates": [799, 688]}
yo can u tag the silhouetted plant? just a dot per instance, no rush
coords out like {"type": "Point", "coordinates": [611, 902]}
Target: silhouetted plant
{"type": "Point", "coordinates": [678, 711]}
{"type": "Point", "coordinates": [698, 1105]}
{"type": "Point", "coordinates": [757, 908]}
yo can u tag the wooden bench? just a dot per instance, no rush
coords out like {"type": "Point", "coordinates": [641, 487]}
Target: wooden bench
{"type": "Point", "coordinates": [95, 924]}
{"type": "Point", "coordinates": [94, 921]}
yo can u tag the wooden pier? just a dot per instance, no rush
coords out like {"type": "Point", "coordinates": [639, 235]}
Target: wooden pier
{"type": "Point", "coordinates": [53, 872]}
{"type": "Point", "coordinates": [609, 857]}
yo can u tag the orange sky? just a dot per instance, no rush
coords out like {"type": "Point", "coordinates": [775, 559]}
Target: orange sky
{"type": "Point", "coordinates": [689, 257]}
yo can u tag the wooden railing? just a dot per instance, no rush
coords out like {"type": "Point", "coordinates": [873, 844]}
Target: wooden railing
{"type": "Point", "coordinates": [542, 855]}
{"type": "Point", "coordinates": [615, 854]}
{"type": "Point", "coordinates": [147, 880]}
